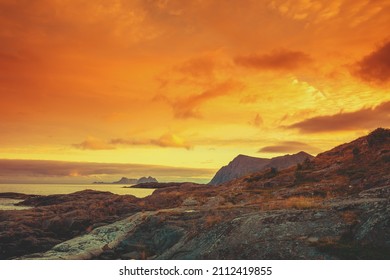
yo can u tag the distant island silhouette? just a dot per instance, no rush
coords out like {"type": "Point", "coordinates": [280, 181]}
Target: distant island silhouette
{"type": "Point", "coordinates": [125, 180]}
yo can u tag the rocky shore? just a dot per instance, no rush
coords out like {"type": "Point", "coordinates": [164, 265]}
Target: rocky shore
{"type": "Point", "coordinates": [335, 206]}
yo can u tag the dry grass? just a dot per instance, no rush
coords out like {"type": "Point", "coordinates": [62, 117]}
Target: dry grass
{"type": "Point", "coordinates": [350, 217]}
{"type": "Point", "coordinates": [295, 202]}
{"type": "Point", "coordinates": [212, 220]}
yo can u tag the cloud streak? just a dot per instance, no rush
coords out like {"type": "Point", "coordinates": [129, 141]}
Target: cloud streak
{"type": "Point", "coordinates": [94, 144]}
{"type": "Point", "coordinates": [167, 140]}
{"type": "Point", "coordinates": [288, 147]}
{"type": "Point", "coordinates": [276, 60]}
{"type": "Point", "coordinates": [14, 170]}
{"type": "Point", "coordinates": [366, 118]}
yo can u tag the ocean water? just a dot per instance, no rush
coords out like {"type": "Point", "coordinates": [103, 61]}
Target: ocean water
{"type": "Point", "coordinates": [9, 204]}
{"type": "Point", "coordinates": [47, 189]}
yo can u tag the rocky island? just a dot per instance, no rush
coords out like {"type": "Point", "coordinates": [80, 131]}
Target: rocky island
{"type": "Point", "coordinates": [128, 181]}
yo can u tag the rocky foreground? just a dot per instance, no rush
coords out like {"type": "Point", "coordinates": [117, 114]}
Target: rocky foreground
{"type": "Point", "coordinates": [335, 206]}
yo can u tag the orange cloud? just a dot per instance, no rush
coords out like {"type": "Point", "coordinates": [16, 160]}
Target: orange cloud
{"type": "Point", "coordinates": [94, 144]}
{"type": "Point", "coordinates": [257, 121]}
{"type": "Point", "coordinates": [366, 118]}
{"type": "Point", "coordinates": [198, 67]}
{"type": "Point", "coordinates": [375, 67]}
{"type": "Point", "coordinates": [276, 60]}
{"type": "Point", "coordinates": [166, 140]}
{"type": "Point", "coordinates": [188, 107]}
{"type": "Point", "coordinates": [289, 147]}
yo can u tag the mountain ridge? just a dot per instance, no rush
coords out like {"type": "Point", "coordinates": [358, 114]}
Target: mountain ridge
{"type": "Point", "coordinates": [243, 165]}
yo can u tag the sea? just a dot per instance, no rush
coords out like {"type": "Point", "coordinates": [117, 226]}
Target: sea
{"type": "Point", "coordinates": [48, 189]}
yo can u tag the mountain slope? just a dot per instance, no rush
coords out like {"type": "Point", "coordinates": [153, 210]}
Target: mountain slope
{"type": "Point", "coordinates": [243, 165]}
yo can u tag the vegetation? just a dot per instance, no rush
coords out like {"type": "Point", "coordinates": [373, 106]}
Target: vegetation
{"type": "Point", "coordinates": [356, 152]}
{"type": "Point", "coordinates": [294, 202]}
{"type": "Point", "coordinates": [270, 173]}
{"type": "Point", "coordinates": [378, 137]}
{"type": "Point", "coordinates": [353, 172]}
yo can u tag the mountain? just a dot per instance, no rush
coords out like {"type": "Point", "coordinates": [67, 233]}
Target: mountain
{"type": "Point", "coordinates": [243, 165]}
{"type": "Point", "coordinates": [146, 180]}
{"type": "Point", "coordinates": [125, 181]}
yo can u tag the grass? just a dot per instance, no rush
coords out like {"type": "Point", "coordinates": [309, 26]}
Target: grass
{"type": "Point", "coordinates": [301, 202]}
{"type": "Point", "coordinates": [213, 220]}
{"type": "Point", "coordinates": [350, 217]}
{"type": "Point", "coordinates": [295, 202]}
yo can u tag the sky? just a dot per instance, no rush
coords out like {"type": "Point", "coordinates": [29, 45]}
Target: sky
{"type": "Point", "coordinates": [176, 89]}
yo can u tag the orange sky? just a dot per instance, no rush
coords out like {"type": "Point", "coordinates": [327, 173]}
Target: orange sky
{"type": "Point", "coordinates": [188, 84]}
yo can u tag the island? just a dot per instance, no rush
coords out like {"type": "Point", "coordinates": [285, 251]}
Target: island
{"type": "Point", "coordinates": [127, 181]}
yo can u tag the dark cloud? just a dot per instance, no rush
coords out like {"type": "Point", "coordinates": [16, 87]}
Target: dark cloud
{"type": "Point", "coordinates": [188, 107]}
{"type": "Point", "coordinates": [289, 147]}
{"type": "Point", "coordinates": [276, 60]}
{"type": "Point", "coordinates": [366, 118]}
{"type": "Point", "coordinates": [375, 67]}
{"type": "Point", "coordinates": [14, 170]}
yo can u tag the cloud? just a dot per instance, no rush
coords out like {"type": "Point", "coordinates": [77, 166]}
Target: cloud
{"type": "Point", "coordinates": [375, 67]}
{"type": "Point", "coordinates": [188, 107]}
{"type": "Point", "coordinates": [257, 121]}
{"type": "Point", "coordinates": [305, 9]}
{"type": "Point", "coordinates": [313, 12]}
{"type": "Point", "coordinates": [366, 118]}
{"type": "Point", "coordinates": [276, 60]}
{"type": "Point", "coordinates": [198, 67]}
{"type": "Point", "coordinates": [288, 147]}
{"type": "Point", "coordinates": [22, 170]}
{"type": "Point", "coordinates": [166, 140]}
{"type": "Point", "coordinates": [94, 144]}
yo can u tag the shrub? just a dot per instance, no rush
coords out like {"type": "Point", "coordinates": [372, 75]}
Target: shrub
{"type": "Point", "coordinates": [378, 136]}
{"type": "Point", "coordinates": [356, 152]}
{"type": "Point", "coordinates": [386, 158]}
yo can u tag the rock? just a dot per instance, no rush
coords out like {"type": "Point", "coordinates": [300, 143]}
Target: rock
{"type": "Point", "coordinates": [131, 256]}
{"type": "Point", "coordinates": [313, 239]}
{"type": "Point", "coordinates": [190, 201]}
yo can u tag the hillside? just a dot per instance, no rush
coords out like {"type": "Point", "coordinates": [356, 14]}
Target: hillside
{"type": "Point", "coordinates": [335, 206]}
{"type": "Point", "coordinates": [243, 165]}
